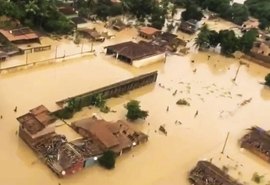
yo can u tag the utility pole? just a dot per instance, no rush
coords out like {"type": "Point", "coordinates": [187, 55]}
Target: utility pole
{"type": "Point", "coordinates": [82, 48]}
{"type": "Point", "coordinates": [240, 63]}
{"type": "Point", "coordinates": [26, 58]}
{"type": "Point", "coordinates": [91, 46]}
{"type": "Point", "coordinates": [227, 137]}
{"type": "Point", "coordinates": [56, 52]}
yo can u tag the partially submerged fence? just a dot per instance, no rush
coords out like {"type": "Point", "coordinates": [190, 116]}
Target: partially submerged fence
{"type": "Point", "coordinates": [106, 92]}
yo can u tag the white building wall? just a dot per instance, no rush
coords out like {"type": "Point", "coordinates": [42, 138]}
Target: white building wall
{"type": "Point", "coordinates": [149, 60]}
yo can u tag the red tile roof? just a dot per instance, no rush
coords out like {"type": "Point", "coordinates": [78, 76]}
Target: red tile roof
{"type": "Point", "coordinates": [149, 30]}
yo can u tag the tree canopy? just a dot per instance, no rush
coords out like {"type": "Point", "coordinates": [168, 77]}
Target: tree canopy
{"type": "Point", "coordinates": [267, 79]}
{"type": "Point", "coordinates": [192, 12]}
{"type": "Point", "coordinates": [261, 10]}
{"type": "Point", "coordinates": [227, 39]}
{"type": "Point", "coordinates": [139, 8]}
{"type": "Point", "coordinates": [134, 111]}
{"type": "Point", "coordinates": [107, 160]}
{"type": "Point", "coordinates": [102, 8]}
{"type": "Point", "coordinates": [37, 13]}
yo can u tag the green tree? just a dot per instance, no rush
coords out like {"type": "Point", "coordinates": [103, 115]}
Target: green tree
{"type": "Point", "coordinates": [267, 79]}
{"type": "Point", "coordinates": [139, 8]}
{"type": "Point", "coordinates": [228, 41]}
{"type": "Point", "coordinates": [247, 40]}
{"type": "Point", "coordinates": [158, 17]}
{"type": "Point", "coordinates": [202, 40]}
{"type": "Point", "coordinates": [261, 10]}
{"type": "Point", "coordinates": [192, 12]}
{"type": "Point", "coordinates": [134, 111]}
{"type": "Point", "coordinates": [107, 160]}
{"type": "Point", "coordinates": [236, 13]}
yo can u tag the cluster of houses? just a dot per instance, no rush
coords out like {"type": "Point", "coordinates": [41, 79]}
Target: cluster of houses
{"type": "Point", "coordinates": [17, 41]}
{"type": "Point", "coordinates": [152, 49]}
{"type": "Point", "coordinates": [63, 157]}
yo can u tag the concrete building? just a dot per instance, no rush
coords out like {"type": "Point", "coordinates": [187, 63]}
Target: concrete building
{"type": "Point", "coordinates": [91, 34]}
{"type": "Point", "coordinates": [35, 124]}
{"type": "Point", "coordinates": [149, 32]}
{"type": "Point", "coordinates": [136, 54]}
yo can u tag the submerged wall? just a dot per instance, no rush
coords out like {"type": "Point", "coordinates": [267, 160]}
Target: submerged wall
{"type": "Point", "coordinates": [109, 91]}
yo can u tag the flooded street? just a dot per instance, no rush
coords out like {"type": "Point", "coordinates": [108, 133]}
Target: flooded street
{"type": "Point", "coordinates": [206, 84]}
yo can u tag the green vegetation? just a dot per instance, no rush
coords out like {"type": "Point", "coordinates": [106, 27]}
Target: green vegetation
{"type": "Point", "coordinates": [158, 17]}
{"type": "Point", "coordinates": [267, 79]}
{"type": "Point", "coordinates": [257, 178]}
{"type": "Point", "coordinates": [261, 10]}
{"type": "Point", "coordinates": [134, 111]}
{"type": "Point", "coordinates": [107, 160]}
{"type": "Point", "coordinates": [192, 12]}
{"type": "Point", "coordinates": [100, 102]}
{"type": "Point", "coordinates": [42, 14]}
{"type": "Point", "coordinates": [139, 8]}
{"type": "Point", "coordinates": [237, 13]}
{"type": "Point", "coordinates": [101, 8]}
{"type": "Point", "coordinates": [227, 39]}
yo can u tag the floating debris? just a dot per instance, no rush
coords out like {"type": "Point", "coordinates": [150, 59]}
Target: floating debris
{"type": "Point", "coordinates": [196, 114]}
{"type": "Point", "coordinates": [162, 129]}
{"type": "Point", "coordinates": [168, 108]}
{"type": "Point", "coordinates": [240, 95]}
{"type": "Point", "coordinates": [175, 92]}
{"type": "Point", "coordinates": [183, 102]}
{"type": "Point", "coordinates": [245, 102]}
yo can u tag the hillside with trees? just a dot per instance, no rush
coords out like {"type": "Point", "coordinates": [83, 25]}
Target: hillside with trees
{"type": "Point", "coordinates": [41, 14]}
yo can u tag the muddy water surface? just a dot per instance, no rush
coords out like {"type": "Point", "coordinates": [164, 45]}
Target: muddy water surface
{"type": "Point", "coordinates": [206, 84]}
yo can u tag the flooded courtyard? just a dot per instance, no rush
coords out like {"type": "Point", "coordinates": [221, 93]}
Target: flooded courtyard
{"type": "Point", "coordinates": [195, 132]}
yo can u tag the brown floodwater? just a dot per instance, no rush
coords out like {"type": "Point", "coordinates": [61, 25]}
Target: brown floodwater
{"type": "Point", "coordinates": [206, 84]}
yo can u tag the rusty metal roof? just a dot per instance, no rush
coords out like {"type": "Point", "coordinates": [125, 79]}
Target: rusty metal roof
{"type": "Point", "coordinates": [19, 34]}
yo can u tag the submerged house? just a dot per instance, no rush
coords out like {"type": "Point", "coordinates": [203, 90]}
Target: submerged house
{"type": "Point", "coordinates": [37, 129]}
{"type": "Point", "coordinates": [91, 34]}
{"type": "Point", "coordinates": [118, 25]}
{"type": "Point", "coordinates": [249, 24]}
{"type": "Point", "coordinates": [59, 155]}
{"type": "Point", "coordinates": [257, 141]}
{"type": "Point", "coordinates": [90, 150]}
{"type": "Point", "coordinates": [20, 36]}
{"type": "Point", "coordinates": [118, 137]}
{"type": "Point", "coordinates": [149, 32]}
{"type": "Point", "coordinates": [206, 173]}
{"type": "Point", "coordinates": [190, 26]}
{"type": "Point", "coordinates": [261, 51]}
{"type": "Point", "coordinates": [3, 56]}
{"type": "Point", "coordinates": [136, 54]}
{"type": "Point", "coordinates": [168, 41]}
{"type": "Point", "coordinates": [36, 124]}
